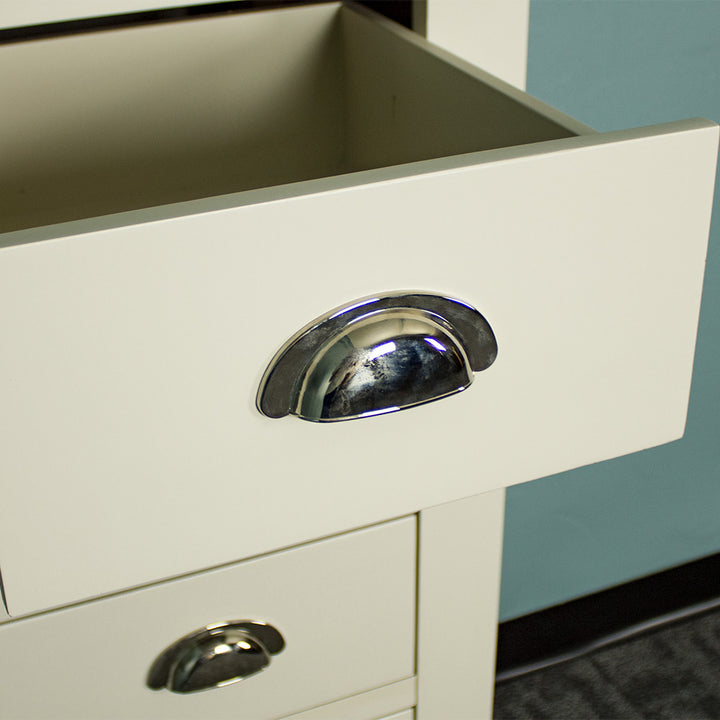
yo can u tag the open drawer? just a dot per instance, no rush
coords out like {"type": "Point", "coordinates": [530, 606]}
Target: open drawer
{"type": "Point", "coordinates": [180, 199]}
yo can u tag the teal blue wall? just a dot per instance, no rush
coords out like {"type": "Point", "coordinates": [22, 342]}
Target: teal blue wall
{"type": "Point", "coordinates": [615, 64]}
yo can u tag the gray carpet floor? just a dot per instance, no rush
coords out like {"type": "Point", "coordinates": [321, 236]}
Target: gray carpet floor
{"type": "Point", "coordinates": [672, 672]}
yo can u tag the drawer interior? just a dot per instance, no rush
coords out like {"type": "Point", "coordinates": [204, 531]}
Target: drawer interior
{"type": "Point", "coordinates": [122, 119]}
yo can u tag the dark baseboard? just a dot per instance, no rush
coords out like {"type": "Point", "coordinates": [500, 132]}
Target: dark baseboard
{"type": "Point", "coordinates": [574, 628]}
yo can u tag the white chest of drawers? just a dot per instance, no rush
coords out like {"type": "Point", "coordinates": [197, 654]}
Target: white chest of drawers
{"type": "Point", "coordinates": [184, 197]}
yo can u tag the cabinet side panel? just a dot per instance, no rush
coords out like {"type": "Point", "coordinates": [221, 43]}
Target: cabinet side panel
{"type": "Point", "coordinates": [491, 34]}
{"type": "Point", "coordinates": [460, 552]}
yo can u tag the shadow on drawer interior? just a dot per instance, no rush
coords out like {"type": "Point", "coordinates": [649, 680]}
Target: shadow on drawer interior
{"type": "Point", "coordinates": [122, 119]}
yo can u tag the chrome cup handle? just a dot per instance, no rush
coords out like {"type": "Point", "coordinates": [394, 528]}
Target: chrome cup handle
{"type": "Point", "coordinates": [215, 655]}
{"type": "Point", "coordinates": [377, 355]}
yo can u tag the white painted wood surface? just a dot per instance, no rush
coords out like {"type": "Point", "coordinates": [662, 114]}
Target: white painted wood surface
{"type": "Point", "coordinates": [134, 344]}
{"type": "Point", "coordinates": [220, 105]}
{"type": "Point", "coordinates": [141, 338]}
{"type": "Point", "coordinates": [492, 34]}
{"type": "Point", "coordinates": [460, 550]}
{"type": "Point", "coordinates": [346, 607]}
{"type": "Point", "coordinates": [135, 354]}
{"type": "Point", "coordinates": [377, 703]}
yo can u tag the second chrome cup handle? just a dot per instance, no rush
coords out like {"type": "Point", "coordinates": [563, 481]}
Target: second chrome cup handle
{"type": "Point", "coordinates": [215, 655]}
{"type": "Point", "coordinates": [377, 355]}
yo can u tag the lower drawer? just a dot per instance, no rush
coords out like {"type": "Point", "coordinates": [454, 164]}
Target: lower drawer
{"type": "Point", "coordinates": [345, 607]}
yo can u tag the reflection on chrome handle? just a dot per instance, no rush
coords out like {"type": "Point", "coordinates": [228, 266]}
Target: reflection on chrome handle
{"type": "Point", "coordinates": [377, 355]}
{"type": "Point", "coordinates": [215, 655]}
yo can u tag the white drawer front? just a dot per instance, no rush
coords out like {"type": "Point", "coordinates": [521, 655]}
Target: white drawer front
{"type": "Point", "coordinates": [135, 356]}
{"type": "Point", "coordinates": [345, 607]}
